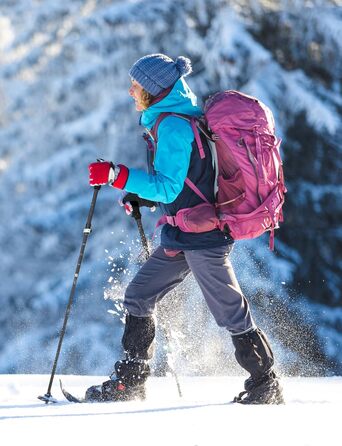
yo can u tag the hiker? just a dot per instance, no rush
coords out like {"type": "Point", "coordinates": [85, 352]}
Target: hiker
{"type": "Point", "coordinates": [158, 85]}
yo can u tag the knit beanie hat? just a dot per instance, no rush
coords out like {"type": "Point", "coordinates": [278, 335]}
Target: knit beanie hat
{"type": "Point", "coordinates": [156, 72]}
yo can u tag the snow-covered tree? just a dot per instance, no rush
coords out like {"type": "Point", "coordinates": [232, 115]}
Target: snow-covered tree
{"type": "Point", "coordinates": [64, 103]}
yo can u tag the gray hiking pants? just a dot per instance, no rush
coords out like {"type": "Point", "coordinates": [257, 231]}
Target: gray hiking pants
{"type": "Point", "coordinates": [214, 274]}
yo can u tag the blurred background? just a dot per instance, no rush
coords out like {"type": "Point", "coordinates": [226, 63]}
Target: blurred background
{"type": "Point", "coordinates": [64, 103]}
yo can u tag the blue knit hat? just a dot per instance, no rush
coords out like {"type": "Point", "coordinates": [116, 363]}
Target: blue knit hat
{"type": "Point", "coordinates": [156, 72]}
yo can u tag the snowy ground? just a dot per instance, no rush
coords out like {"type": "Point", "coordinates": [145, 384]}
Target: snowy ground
{"type": "Point", "coordinates": [202, 417]}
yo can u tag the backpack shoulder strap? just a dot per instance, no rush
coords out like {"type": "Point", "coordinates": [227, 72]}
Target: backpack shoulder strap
{"type": "Point", "coordinates": [154, 130]}
{"type": "Point", "coordinates": [196, 126]}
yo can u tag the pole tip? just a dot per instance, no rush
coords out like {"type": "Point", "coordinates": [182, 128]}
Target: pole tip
{"type": "Point", "coordinates": [47, 398]}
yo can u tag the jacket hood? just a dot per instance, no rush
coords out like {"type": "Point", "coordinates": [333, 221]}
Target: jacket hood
{"type": "Point", "coordinates": [180, 100]}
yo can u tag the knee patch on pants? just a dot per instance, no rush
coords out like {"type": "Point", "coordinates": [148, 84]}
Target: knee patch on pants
{"type": "Point", "coordinates": [138, 337]}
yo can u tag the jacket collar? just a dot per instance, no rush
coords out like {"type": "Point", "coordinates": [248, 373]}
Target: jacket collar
{"type": "Point", "coordinates": [179, 100]}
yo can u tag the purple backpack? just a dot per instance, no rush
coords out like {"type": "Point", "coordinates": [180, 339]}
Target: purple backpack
{"type": "Point", "coordinates": [249, 186]}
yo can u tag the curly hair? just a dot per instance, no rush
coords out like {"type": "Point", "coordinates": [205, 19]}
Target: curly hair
{"type": "Point", "coordinates": [146, 98]}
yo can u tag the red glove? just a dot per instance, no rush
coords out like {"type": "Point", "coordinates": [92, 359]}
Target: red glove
{"type": "Point", "coordinates": [104, 172]}
{"type": "Point", "coordinates": [101, 173]}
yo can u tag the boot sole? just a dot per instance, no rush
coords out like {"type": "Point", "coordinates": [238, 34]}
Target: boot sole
{"type": "Point", "coordinates": [274, 401]}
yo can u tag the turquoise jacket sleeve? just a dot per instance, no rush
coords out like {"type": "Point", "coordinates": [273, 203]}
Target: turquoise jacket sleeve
{"type": "Point", "coordinates": [171, 163]}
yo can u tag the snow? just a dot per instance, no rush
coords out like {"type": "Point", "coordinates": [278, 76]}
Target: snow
{"type": "Point", "coordinates": [203, 416]}
{"type": "Point", "coordinates": [64, 103]}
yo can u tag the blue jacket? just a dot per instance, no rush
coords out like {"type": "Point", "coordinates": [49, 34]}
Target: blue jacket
{"type": "Point", "coordinates": [176, 158]}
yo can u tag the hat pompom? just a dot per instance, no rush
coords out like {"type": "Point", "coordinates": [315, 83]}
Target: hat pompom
{"type": "Point", "coordinates": [183, 65]}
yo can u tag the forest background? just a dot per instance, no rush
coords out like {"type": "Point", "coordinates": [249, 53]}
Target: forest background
{"type": "Point", "coordinates": [64, 103]}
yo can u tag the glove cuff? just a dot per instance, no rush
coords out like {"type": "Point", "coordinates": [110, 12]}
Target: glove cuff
{"type": "Point", "coordinates": [121, 176]}
{"type": "Point", "coordinates": [112, 173]}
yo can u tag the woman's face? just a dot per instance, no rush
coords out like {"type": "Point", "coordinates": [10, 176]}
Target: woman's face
{"type": "Point", "coordinates": [135, 91]}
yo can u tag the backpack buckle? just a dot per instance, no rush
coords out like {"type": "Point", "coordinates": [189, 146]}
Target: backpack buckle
{"type": "Point", "coordinates": [171, 220]}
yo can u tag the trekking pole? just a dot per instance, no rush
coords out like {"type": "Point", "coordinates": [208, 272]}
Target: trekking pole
{"type": "Point", "coordinates": [136, 214]}
{"type": "Point", "coordinates": [172, 369]}
{"type": "Point", "coordinates": [47, 398]}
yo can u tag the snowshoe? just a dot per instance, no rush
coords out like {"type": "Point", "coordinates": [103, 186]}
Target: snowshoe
{"type": "Point", "coordinates": [266, 390]}
{"type": "Point", "coordinates": [127, 383]}
{"type": "Point", "coordinates": [115, 390]}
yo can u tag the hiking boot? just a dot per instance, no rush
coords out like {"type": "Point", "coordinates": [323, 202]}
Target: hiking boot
{"type": "Point", "coordinates": [115, 390]}
{"type": "Point", "coordinates": [127, 383]}
{"type": "Point", "coordinates": [265, 390]}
